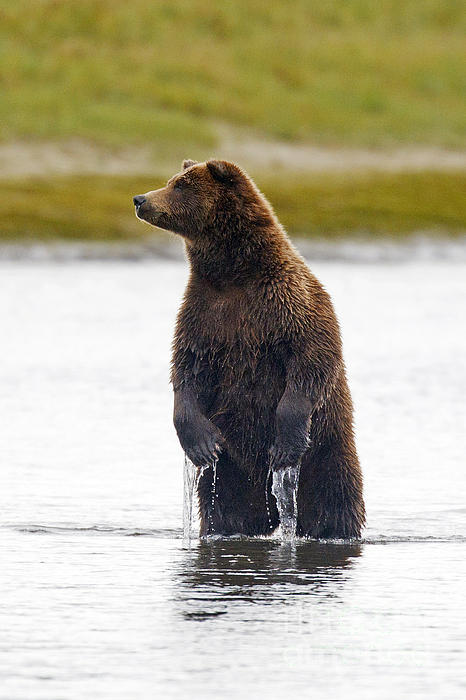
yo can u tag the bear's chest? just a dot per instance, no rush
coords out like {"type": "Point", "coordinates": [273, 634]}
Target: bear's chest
{"type": "Point", "coordinates": [238, 353]}
{"type": "Point", "coordinates": [237, 343]}
{"type": "Point", "coordinates": [231, 319]}
{"type": "Point", "coordinates": [240, 373]}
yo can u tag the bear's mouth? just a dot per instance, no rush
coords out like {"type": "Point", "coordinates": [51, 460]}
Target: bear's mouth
{"type": "Point", "coordinates": [148, 215]}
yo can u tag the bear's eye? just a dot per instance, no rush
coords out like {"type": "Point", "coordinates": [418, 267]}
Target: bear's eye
{"type": "Point", "coordinates": [179, 184]}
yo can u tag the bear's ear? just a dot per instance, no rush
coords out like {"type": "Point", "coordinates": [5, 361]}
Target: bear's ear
{"type": "Point", "coordinates": [187, 164]}
{"type": "Point", "coordinates": [223, 171]}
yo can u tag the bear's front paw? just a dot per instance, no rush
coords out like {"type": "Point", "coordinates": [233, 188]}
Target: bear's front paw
{"type": "Point", "coordinates": [202, 441]}
{"type": "Point", "coordinates": [283, 455]}
{"type": "Point", "coordinates": [204, 454]}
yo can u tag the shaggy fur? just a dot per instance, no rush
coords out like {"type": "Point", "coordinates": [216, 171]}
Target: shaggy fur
{"type": "Point", "coordinates": [257, 371]}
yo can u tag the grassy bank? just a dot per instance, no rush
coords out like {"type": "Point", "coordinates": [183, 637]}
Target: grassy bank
{"type": "Point", "coordinates": [164, 73]}
{"type": "Point", "coordinates": [100, 207]}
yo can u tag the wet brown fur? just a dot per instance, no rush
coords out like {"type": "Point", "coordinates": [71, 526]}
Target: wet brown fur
{"type": "Point", "coordinates": [257, 369]}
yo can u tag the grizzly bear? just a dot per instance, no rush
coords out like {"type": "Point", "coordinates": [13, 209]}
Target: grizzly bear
{"type": "Point", "coordinates": [257, 370]}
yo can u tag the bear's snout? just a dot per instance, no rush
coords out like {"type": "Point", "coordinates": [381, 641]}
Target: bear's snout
{"type": "Point", "coordinates": [138, 200]}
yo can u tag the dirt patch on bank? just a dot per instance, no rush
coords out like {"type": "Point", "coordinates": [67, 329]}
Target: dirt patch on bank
{"type": "Point", "coordinates": [32, 159]}
{"type": "Point", "coordinates": [265, 155]}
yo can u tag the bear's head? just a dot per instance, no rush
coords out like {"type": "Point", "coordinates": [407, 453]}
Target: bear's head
{"type": "Point", "coordinates": [206, 201]}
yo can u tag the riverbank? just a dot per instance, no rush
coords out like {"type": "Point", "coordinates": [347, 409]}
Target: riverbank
{"type": "Point", "coordinates": [310, 205]}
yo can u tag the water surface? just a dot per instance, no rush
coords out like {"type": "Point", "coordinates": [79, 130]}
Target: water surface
{"type": "Point", "coordinates": [100, 598]}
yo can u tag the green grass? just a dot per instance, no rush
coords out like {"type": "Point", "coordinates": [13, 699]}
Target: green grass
{"type": "Point", "coordinates": [392, 204]}
{"type": "Point", "coordinates": [164, 73]}
{"type": "Point", "coordinates": [100, 207]}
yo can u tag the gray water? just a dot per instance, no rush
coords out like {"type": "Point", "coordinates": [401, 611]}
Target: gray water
{"type": "Point", "coordinates": [100, 598]}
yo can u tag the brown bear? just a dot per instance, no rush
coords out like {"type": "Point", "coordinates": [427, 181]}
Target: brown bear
{"type": "Point", "coordinates": [257, 370]}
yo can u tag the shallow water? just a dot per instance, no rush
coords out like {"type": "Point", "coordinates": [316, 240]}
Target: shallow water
{"type": "Point", "coordinates": [99, 596]}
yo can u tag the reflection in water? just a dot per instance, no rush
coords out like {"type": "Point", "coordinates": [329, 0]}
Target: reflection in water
{"type": "Point", "coordinates": [220, 573]}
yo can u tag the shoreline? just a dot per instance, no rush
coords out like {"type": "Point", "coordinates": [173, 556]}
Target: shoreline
{"type": "Point", "coordinates": [420, 247]}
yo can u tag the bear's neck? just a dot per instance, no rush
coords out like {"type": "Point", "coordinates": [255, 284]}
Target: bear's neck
{"type": "Point", "coordinates": [223, 262]}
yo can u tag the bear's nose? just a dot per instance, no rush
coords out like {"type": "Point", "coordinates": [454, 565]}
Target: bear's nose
{"type": "Point", "coordinates": [138, 200]}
